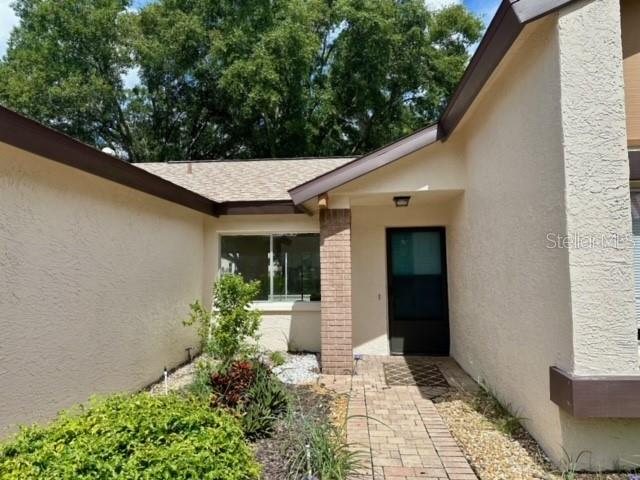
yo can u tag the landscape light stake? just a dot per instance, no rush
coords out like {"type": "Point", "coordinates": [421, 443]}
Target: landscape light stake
{"type": "Point", "coordinates": [166, 381]}
{"type": "Point", "coordinates": [357, 357]}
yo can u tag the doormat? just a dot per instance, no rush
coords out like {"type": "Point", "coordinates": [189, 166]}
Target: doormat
{"type": "Point", "coordinates": [414, 374]}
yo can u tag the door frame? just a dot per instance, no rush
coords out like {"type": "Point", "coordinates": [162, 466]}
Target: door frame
{"type": "Point", "coordinates": [443, 261]}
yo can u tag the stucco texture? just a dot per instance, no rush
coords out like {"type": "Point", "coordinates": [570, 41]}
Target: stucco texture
{"type": "Point", "coordinates": [96, 278]}
{"type": "Point", "coordinates": [369, 257]}
{"type": "Point", "coordinates": [546, 156]}
{"type": "Point", "coordinates": [540, 158]}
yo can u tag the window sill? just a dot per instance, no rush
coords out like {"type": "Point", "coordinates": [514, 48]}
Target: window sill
{"type": "Point", "coordinates": [293, 306]}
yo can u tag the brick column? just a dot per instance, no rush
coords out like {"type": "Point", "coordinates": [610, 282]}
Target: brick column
{"type": "Point", "coordinates": [335, 278]}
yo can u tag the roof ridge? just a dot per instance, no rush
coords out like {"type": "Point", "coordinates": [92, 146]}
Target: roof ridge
{"type": "Point", "coordinates": [266, 159]}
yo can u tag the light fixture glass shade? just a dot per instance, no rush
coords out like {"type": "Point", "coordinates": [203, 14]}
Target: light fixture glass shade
{"type": "Point", "coordinates": [402, 201]}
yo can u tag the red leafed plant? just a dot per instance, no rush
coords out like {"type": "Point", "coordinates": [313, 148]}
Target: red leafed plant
{"type": "Point", "coordinates": [230, 388]}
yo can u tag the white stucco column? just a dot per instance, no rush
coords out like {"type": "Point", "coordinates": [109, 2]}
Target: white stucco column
{"type": "Point", "coordinates": [597, 188]}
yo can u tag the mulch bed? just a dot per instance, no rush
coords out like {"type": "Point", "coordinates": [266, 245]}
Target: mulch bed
{"type": "Point", "coordinates": [308, 400]}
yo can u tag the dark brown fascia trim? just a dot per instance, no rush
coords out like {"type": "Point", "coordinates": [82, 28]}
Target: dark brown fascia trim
{"type": "Point", "coordinates": [600, 396]}
{"type": "Point", "coordinates": [508, 22]}
{"type": "Point", "coordinates": [269, 207]}
{"type": "Point", "coordinates": [634, 164]}
{"type": "Point", "coordinates": [35, 138]}
{"type": "Point", "coordinates": [500, 35]}
{"type": "Point", "coordinates": [365, 164]}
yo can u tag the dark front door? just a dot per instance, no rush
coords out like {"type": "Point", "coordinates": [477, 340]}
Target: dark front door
{"type": "Point", "coordinates": [417, 283]}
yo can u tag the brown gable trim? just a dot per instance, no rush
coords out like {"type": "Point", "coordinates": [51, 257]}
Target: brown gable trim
{"type": "Point", "coordinates": [502, 32]}
{"type": "Point", "coordinates": [634, 164]}
{"type": "Point", "coordinates": [366, 164]}
{"type": "Point", "coordinates": [508, 22]}
{"type": "Point", "coordinates": [35, 138]}
{"type": "Point", "coordinates": [271, 207]}
{"type": "Point", "coordinates": [600, 396]}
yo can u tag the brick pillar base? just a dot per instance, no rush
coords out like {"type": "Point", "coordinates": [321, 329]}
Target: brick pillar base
{"type": "Point", "coordinates": [335, 278]}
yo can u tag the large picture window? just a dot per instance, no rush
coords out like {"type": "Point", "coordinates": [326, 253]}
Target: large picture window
{"type": "Point", "coordinates": [288, 266]}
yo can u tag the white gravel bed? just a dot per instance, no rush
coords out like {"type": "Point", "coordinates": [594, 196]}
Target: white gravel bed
{"type": "Point", "coordinates": [178, 379]}
{"type": "Point", "coordinates": [298, 368]}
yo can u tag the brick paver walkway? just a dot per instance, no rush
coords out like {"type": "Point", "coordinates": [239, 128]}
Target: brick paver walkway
{"type": "Point", "coordinates": [397, 429]}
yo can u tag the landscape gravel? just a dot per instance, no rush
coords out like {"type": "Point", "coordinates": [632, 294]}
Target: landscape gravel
{"type": "Point", "coordinates": [178, 379]}
{"type": "Point", "coordinates": [298, 369]}
{"type": "Point", "coordinates": [494, 455]}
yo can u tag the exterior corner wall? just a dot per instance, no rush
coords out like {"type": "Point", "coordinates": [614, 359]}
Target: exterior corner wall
{"type": "Point", "coordinates": [597, 188]}
{"type": "Point", "coordinates": [598, 207]}
{"type": "Point", "coordinates": [336, 328]}
{"type": "Point", "coordinates": [95, 280]}
{"type": "Point", "coordinates": [547, 169]}
{"type": "Point", "coordinates": [509, 295]}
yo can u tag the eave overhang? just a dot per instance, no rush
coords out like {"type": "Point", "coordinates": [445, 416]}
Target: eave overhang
{"type": "Point", "coordinates": [508, 22]}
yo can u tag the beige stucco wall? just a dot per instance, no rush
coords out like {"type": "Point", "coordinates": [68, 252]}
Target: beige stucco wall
{"type": "Point", "coordinates": [285, 325]}
{"type": "Point", "coordinates": [545, 156]}
{"type": "Point", "coordinates": [509, 295]}
{"type": "Point", "coordinates": [95, 279]}
{"type": "Point", "coordinates": [369, 257]}
{"type": "Point", "coordinates": [631, 54]}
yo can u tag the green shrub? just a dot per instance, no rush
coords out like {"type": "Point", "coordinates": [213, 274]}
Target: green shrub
{"type": "Point", "coordinates": [201, 385]}
{"type": "Point", "coordinates": [277, 358]}
{"type": "Point", "coordinates": [226, 332]}
{"type": "Point", "coordinates": [253, 393]}
{"type": "Point", "coordinates": [318, 449]}
{"type": "Point", "coordinates": [266, 400]}
{"type": "Point", "coordinates": [132, 437]}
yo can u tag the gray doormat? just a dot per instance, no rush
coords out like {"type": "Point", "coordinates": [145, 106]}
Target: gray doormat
{"type": "Point", "coordinates": [415, 374]}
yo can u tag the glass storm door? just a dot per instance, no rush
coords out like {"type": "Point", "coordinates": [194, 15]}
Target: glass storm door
{"type": "Point", "coordinates": [417, 284]}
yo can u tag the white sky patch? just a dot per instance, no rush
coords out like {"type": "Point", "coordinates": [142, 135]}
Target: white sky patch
{"type": "Point", "coordinates": [437, 4]}
{"type": "Point", "coordinates": [131, 78]}
{"type": "Point", "coordinates": [8, 20]}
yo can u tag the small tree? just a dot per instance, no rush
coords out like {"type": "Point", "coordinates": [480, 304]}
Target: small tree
{"type": "Point", "coordinates": [226, 330]}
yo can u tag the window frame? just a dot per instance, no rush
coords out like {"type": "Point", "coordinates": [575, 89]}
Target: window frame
{"type": "Point", "coordinates": [269, 305]}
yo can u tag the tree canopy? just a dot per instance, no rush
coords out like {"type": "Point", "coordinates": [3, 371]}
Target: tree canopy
{"type": "Point", "coordinates": [235, 78]}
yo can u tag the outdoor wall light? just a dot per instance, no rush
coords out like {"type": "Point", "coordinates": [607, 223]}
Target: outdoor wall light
{"type": "Point", "coordinates": [401, 201]}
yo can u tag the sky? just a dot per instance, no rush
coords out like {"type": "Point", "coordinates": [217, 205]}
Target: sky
{"type": "Point", "coordinates": [484, 8]}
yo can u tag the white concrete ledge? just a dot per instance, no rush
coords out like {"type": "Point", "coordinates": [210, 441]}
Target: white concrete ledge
{"type": "Point", "coordinates": [298, 306]}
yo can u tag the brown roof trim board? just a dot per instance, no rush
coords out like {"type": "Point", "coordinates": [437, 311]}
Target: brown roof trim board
{"type": "Point", "coordinates": [508, 22]}
{"type": "Point", "coordinates": [267, 207]}
{"type": "Point", "coordinates": [35, 138]}
{"type": "Point", "coordinates": [363, 165]}
{"type": "Point", "coordinates": [598, 396]}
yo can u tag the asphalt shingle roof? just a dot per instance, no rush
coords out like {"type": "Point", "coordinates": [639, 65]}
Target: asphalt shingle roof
{"type": "Point", "coordinates": [243, 180]}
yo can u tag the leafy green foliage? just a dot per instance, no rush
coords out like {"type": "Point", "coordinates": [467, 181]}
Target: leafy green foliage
{"type": "Point", "coordinates": [277, 358]}
{"type": "Point", "coordinates": [318, 447]}
{"type": "Point", "coordinates": [201, 385]}
{"type": "Point", "coordinates": [203, 320]}
{"type": "Point", "coordinates": [133, 437]}
{"type": "Point", "coordinates": [225, 79]}
{"type": "Point", "coordinates": [487, 403]}
{"type": "Point", "coordinates": [229, 331]}
{"type": "Point", "coordinates": [253, 392]}
{"type": "Point", "coordinates": [64, 66]}
{"type": "Point", "coordinates": [266, 401]}
{"type": "Point", "coordinates": [235, 322]}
